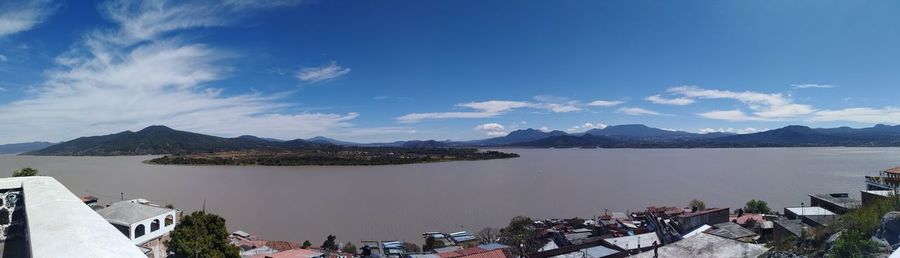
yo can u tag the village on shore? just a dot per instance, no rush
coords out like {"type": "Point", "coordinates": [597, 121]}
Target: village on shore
{"type": "Point", "coordinates": [811, 230]}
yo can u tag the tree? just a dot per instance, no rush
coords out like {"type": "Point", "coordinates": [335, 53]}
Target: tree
{"type": "Point", "coordinates": [697, 204]}
{"type": "Point", "coordinates": [431, 243]}
{"type": "Point", "coordinates": [411, 248]}
{"type": "Point", "coordinates": [757, 206]}
{"type": "Point", "coordinates": [201, 234]}
{"type": "Point", "coordinates": [27, 171]}
{"type": "Point", "coordinates": [329, 243]}
{"type": "Point", "coordinates": [488, 235]}
{"type": "Point", "coordinates": [306, 244]}
{"type": "Point", "coordinates": [349, 248]}
{"type": "Point", "coordinates": [575, 222]}
{"type": "Point", "coordinates": [521, 236]}
{"type": "Point", "coordinates": [853, 243]}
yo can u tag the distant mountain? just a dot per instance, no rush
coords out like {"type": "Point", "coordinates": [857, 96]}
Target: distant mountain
{"type": "Point", "coordinates": [326, 140]}
{"type": "Point", "coordinates": [159, 140]}
{"type": "Point", "coordinates": [638, 131]}
{"type": "Point", "coordinates": [524, 135]}
{"type": "Point", "coordinates": [16, 148]}
{"type": "Point", "coordinates": [569, 141]}
{"type": "Point", "coordinates": [790, 136]}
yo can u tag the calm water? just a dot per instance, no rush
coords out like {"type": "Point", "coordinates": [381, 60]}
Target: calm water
{"type": "Point", "coordinates": [400, 202]}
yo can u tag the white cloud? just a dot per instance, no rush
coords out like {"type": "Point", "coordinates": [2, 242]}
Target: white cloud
{"type": "Point", "coordinates": [492, 129]}
{"type": "Point", "coordinates": [483, 109]}
{"type": "Point", "coordinates": [544, 129]}
{"type": "Point", "coordinates": [886, 115]}
{"type": "Point", "coordinates": [635, 111]}
{"type": "Point", "coordinates": [18, 16]}
{"type": "Point", "coordinates": [670, 101]}
{"type": "Point", "coordinates": [322, 73]}
{"type": "Point", "coordinates": [730, 130]}
{"type": "Point", "coordinates": [585, 127]}
{"type": "Point", "coordinates": [139, 74]}
{"type": "Point", "coordinates": [812, 86]}
{"type": "Point", "coordinates": [765, 106]}
{"type": "Point", "coordinates": [3, 58]}
{"type": "Point", "coordinates": [605, 103]}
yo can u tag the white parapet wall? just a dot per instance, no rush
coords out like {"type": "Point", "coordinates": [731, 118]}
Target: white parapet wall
{"type": "Point", "coordinates": [59, 224]}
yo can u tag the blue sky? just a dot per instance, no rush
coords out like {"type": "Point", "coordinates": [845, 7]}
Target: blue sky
{"type": "Point", "coordinates": [396, 70]}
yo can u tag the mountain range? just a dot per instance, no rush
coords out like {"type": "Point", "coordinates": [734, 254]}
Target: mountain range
{"type": "Point", "coordinates": [158, 139]}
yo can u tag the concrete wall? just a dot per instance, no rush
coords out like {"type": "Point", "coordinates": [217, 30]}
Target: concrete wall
{"type": "Point", "coordinates": [148, 235]}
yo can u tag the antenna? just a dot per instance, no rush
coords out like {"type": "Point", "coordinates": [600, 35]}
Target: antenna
{"type": "Point", "coordinates": [204, 205]}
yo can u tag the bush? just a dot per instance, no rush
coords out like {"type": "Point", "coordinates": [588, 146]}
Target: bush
{"type": "Point", "coordinates": [757, 206]}
{"type": "Point", "coordinates": [28, 171]}
{"type": "Point", "coordinates": [853, 243]}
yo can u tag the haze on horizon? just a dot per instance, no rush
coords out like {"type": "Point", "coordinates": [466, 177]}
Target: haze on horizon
{"type": "Point", "coordinates": [400, 70]}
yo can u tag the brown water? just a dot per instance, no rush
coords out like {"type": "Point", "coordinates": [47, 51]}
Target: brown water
{"type": "Point", "coordinates": [400, 202]}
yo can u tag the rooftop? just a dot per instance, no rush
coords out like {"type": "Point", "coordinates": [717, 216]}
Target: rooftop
{"type": "Point", "coordinates": [810, 211]}
{"type": "Point", "coordinates": [632, 242]}
{"type": "Point", "coordinates": [730, 230]}
{"type": "Point", "coordinates": [703, 212]}
{"type": "Point", "coordinates": [706, 245]}
{"type": "Point", "coordinates": [894, 170]}
{"type": "Point", "coordinates": [840, 199]}
{"type": "Point", "coordinates": [794, 226]}
{"type": "Point", "coordinates": [294, 253]}
{"type": "Point", "coordinates": [61, 225]}
{"type": "Point", "coordinates": [126, 213]}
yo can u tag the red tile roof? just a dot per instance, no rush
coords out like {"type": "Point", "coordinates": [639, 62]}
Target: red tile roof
{"type": "Point", "coordinates": [474, 252]}
{"type": "Point", "coordinates": [747, 216]}
{"type": "Point", "coordinates": [296, 253]}
{"type": "Point", "coordinates": [283, 245]}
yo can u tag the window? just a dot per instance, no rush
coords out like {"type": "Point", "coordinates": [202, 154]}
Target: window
{"type": "Point", "coordinates": [169, 220]}
{"type": "Point", "coordinates": [124, 230]}
{"type": "Point", "coordinates": [154, 226]}
{"type": "Point", "coordinates": [139, 231]}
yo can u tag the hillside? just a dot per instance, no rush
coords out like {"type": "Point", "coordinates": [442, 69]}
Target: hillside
{"type": "Point", "coordinates": [159, 140]}
{"type": "Point", "coordinates": [16, 148]}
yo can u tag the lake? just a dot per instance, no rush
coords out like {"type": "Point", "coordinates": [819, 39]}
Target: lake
{"type": "Point", "coordinates": [402, 201]}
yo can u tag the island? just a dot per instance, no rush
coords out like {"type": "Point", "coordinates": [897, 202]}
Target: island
{"type": "Point", "coordinates": [331, 156]}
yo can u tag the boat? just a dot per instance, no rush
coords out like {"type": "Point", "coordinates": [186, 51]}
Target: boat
{"type": "Point", "coordinates": [886, 180]}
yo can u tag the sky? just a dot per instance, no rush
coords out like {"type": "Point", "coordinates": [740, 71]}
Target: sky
{"type": "Point", "coordinates": [372, 71]}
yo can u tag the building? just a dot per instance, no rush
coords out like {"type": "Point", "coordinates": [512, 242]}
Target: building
{"type": "Point", "coordinates": [140, 222]}
{"type": "Point", "coordinates": [871, 196]}
{"type": "Point", "coordinates": [690, 221]}
{"type": "Point", "coordinates": [475, 252]}
{"type": "Point", "coordinates": [839, 203]}
{"type": "Point", "coordinates": [785, 229]}
{"type": "Point", "coordinates": [886, 180]}
{"type": "Point", "coordinates": [706, 245]}
{"type": "Point", "coordinates": [635, 242]}
{"type": "Point", "coordinates": [597, 248]}
{"type": "Point", "coordinates": [733, 231]}
{"type": "Point", "coordinates": [813, 216]}
{"type": "Point", "coordinates": [41, 218]}
{"type": "Point", "coordinates": [293, 253]}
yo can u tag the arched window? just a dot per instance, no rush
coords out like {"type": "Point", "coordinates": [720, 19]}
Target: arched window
{"type": "Point", "coordinates": [169, 220]}
{"type": "Point", "coordinates": [154, 226]}
{"type": "Point", "coordinates": [139, 231]}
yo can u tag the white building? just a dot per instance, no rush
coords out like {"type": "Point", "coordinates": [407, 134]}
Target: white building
{"type": "Point", "coordinates": [140, 222]}
{"type": "Point", "coordinates": [56, 223]}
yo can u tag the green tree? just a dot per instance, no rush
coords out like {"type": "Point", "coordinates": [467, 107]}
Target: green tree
{"type": "Point", "coordinates": [431, 243]}
{"type": "Point", "coordinates": [411, 248]}
{"type": "Point", "coordinates": [306, 244]}
{"type": "Point", "coordinates": [349, 248]}
{"type": "Point", "coordinates": [488, 235]}
{"type": "Point", "coordinates": [521, 236]}
{"type": "Point", "coordinates": [700, 205]}
{"type": "Point", "coordinates": [201, 234]}
{"type": "Point", "coordinates": [757, 206]}
{"type": "Point", "coordinates": [27, 171]}
{"type": "Point", "coordinates": [853, 243]}
{"type": "Point", "coordinates": [329, 243]}
{"type": "Point", "coordinates": [575, 222]}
